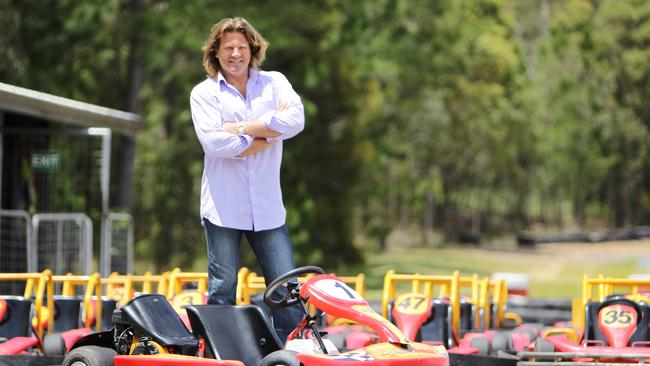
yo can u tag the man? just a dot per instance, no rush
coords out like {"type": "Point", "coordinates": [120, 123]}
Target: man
{"type": "Point", "coordinates": [241, 116]}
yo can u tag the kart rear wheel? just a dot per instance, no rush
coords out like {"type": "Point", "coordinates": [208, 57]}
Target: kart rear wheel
{"type": "Point", "coordinates": [90, 356]}
{"type": "Point", "coordinates": [502, 342]}
{"type": "Point", "coordinates": [280, 358]}
{"type": "Point", "coordinates": [542, 345]}
{"type": "Point", "coordinates": [482, 344]}
{"type": "Point", "coordinates": [54, 344]}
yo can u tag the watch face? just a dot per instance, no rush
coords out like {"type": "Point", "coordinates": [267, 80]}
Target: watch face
{"type": "Point", "coordinates": [241, 128]}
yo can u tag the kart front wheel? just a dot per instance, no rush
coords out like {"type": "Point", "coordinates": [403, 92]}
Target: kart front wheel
{"type": "Point", "coordinates": [90, 356]}
{"type": "Point", "coordinates": [280, 358]}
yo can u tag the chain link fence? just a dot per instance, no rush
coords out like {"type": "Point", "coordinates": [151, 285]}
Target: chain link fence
{"type": "Point", "coordinates": [17, 248]}
{"type": "Point", "coordinates": [117, 246]}
{"type": "Point", "coordinates": [64, 242]}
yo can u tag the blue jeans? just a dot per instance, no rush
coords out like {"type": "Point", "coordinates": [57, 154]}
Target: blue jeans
{"type": "Point", "coordinates": [274, 254]}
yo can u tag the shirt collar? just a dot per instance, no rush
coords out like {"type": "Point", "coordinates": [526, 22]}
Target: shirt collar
{"type": "Point", "coordinates": [252, 77]}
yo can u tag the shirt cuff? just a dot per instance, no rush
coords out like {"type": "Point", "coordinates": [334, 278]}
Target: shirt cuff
{"type": "Point", "coordinates": [274, 125]}
{"type": "Point", "coordinates": [268, 119]}
{"type": "Point", "coordinates": [246, 141]}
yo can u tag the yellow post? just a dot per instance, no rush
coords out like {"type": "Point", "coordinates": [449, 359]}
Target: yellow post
{"type": "Point", "coordinates": [388, 293]}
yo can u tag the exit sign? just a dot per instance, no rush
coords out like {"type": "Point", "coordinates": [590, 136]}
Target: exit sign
{"type": "Point", "coordinates": [47, 161]}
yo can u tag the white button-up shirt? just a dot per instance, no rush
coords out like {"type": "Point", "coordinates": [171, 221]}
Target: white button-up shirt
{"type": "Point", "coordinates": [244, 193]}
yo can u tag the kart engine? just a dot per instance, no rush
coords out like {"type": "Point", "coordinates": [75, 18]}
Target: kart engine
{"type": "Point", "coordinates": [124, 338]}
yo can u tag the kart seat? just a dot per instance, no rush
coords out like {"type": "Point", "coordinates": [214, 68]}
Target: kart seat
{"type": "Point", "coordinates": [258, 300]}
{"type": "Point", "coordinates": [15, 322]}
{"type": "Point", "coordinates": [108, 306]}
{"type": "Point", "coordinates": [153, 315]}
{"type": "Point", "coordinates": [67, 313]}
{"type": "Point", "coordinates": [592, 330]}
{"type": "Point", "coordinates": [232, 332]}
{"type": "Point", "coordinates": [467, 312]}
{"type": "Point", "coordinates": [642, 332]}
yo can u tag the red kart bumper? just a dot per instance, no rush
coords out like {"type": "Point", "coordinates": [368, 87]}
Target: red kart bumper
{"type": "Point", "coordinates": [170, 359]}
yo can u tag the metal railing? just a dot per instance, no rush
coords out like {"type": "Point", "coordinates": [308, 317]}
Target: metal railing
{"type": "Point", "coordinates": [17, 252]}
{"type": "Point", "coordinates": [116, 253]}
{"type": "Point", "coordinates": [64, 242]}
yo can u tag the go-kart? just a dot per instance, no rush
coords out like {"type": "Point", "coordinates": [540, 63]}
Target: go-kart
{"type": "Point", "coordinates": [147, 329]}
{"type": "Point", "coordinates": [608, 328]}
{"type": "Point", "coordinates": [507, 331]}
{"type": "Point", "coordinates": [344, 333]}
{"type": "Point", "coordinates": [76, 315]}
{"type": "Point", "coordinates": [445, 319]}
{"type": "Point", "coordinates": [431, 309]}
{"type": "Point", "coordinates": [17, 336]}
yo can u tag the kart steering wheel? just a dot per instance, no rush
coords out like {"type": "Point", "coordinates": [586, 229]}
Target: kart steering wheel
{"type": "Point", "coordinates": [287, 300]}
{"type": "Point", "coordinates": [622, 300]}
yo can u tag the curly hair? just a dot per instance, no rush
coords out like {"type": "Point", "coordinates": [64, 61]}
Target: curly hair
{"type": "Point", "coordinates": [258, 44]}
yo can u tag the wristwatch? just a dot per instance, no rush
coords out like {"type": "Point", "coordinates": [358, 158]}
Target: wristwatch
{"type": "Point", "coordinates": [241, 128]}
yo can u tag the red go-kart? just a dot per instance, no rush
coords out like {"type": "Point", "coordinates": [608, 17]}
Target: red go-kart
{"type": "Point", "coordinates": [616, 331]}
{"type": "Point", "coordinates": [148, 330]}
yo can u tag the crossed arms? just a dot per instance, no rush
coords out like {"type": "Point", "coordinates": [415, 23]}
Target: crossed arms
{"type": "Point", "coordinates": [258, 130]}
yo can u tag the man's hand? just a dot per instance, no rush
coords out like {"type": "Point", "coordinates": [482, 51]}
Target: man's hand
{"type": "Point", "coordinates": [256, 146]}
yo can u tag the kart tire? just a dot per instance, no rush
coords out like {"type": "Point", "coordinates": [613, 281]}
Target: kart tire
{"type": "Point", "coordinates": [482, 344]}
{"type": "Point", "coordinates": [282, 358]}
{"type": "Point", "coordinates": [54, 345]}
{"type": "Point", "coordinates": [542, 345]}
{"type": "Point", "coordinates": [90, 356]}
{"type": "Point", "coordinates": [502, 342]}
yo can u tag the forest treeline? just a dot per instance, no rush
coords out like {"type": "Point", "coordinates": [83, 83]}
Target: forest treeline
{"type": "Point", "coordinates": [466, 118]}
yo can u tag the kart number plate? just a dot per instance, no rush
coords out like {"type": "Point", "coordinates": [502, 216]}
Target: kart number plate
{"type": "Point", "coordinates": [412, 303]}
{"type": "Point", "coordinates": [188, 298]}
{"type": "Point", "coordinates": [338, 289]}
{"type": "Point", "coordinates": [617, 316]}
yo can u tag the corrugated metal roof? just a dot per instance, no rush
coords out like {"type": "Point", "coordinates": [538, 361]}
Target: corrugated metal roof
{"type": "Point", "coordinates": [58, 109]}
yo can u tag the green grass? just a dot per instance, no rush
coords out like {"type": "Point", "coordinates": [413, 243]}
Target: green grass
{"type": "Point", "coordinates": [555, 270]}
